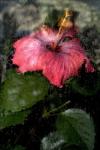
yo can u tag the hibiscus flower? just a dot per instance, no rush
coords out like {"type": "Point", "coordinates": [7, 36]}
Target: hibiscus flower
{"type": "Point", "coordinates": [58, 57]}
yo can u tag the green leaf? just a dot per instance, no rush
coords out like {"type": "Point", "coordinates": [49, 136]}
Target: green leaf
{"type": "Point", "coordinates": [12, 119]}
{"type": "Point", "coordinates": [74, 131]}
{"type": "Point", "coordinates": [19, 92]}
{"type": "Point", "coordinates": [77, 128]}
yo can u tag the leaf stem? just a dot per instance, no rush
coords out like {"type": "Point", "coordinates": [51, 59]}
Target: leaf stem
{"type": "Point", "coordinates": [47, 114]}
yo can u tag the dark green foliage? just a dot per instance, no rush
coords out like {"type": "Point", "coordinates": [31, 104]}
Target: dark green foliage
{"type": "Point", "coordinates": [74, 130]}
{"type": "Point", "coordinates": [77, 128]}
{"type": "Point", "coordinates": [87, 84]}
{"type": "Point", "coordinates": [53, 17]}
{"type": "Point", "coordinates": [20, 92]}
{"type": "Point", "coordinates": [12, 119]}
{"type": "Point", "coordinates": [16, 147]}
{"type": "Point", "coordinates": [54, 141]}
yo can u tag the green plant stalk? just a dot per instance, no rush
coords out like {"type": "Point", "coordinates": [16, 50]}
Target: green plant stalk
{"type": "Point", "coordinates": [47, 114]}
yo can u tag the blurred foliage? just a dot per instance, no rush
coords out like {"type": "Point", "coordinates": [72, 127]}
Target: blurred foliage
{"type": "Point", "coordinates": [89, 38]}
{"type": "Point", "coordinates": [10, 25]}
{"type": "Point", "coordinates": [9, 29]}
{"type": "Point", "coordinates": [54, 16]}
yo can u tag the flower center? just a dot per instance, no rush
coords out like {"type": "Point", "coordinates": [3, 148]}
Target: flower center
{"type": "Point", "coordinates": [56, 46]}
{"type": "Point", "coordinates": [53, 46]}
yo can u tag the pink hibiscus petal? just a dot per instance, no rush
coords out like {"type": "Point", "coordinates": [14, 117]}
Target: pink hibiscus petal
{"type": "Point", "coordinates": [28, 52]}
{"type": "Point", "coordinates": [37, 52]}
{"type": "Point", "coordinates": [61, 67]}
{"type": "Point", "coordinates": [45, 34]}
